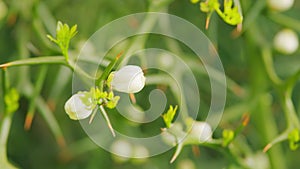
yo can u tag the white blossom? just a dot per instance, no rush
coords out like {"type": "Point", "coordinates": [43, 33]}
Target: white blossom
{"type": "Point", "coordinates": [79, 107]}
{"type": "Point", "coordinates": [280, 5]}
{"type": "Point", "coordinates": [286, 41]}
{"type": "Point", "coordinates": [129, 79]}
{"type": "Point", "coordinates": [200, 132]}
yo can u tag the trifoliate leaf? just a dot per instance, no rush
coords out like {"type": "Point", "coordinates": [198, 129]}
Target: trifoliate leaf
{"type": "Point", "coordinates": [63, 36]}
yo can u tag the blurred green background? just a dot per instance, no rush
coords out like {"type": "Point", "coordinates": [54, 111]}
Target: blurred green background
{"type": "Point", "coordinates": [23, 29]}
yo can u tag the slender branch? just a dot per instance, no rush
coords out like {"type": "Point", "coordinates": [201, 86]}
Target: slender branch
{"type": "Point", "coordinates": [37, 89]}
{"type": "Point", "coordinates": [4, 132]}
{"type": "Point", "coordinates": [268, 62]}
{"type": "Point", "coordinates": [285, 20]}
{"type": "Point", "coordinates": [36, 61]}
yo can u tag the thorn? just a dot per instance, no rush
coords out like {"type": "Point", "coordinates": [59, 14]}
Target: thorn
{"type": "Point", "coordinates": [4, 66]}
{"type": "Point", "coordinates": [196, 151]}
{"type": "Point", "coordinates": [61, 141]}
{"type": "Point", "coordinates": [162, 87]}
{"type": "Point", "coordinates": [28, 121]}
{"type": "Point", "coordinates": [177, 152]}
{"type": "Point", "coordinates": [119, 55]}
{"type": "Point", "coordinates": [245, 119]}
{"type": "Point", "coordinates": [237, 31]}
{"type": "Point", "coordinates": [207, 22]}
{"type": "Point", "coordinates": [267, 147]}
{"type": "Point", "coordinates": [163, 129]}
{"type": "Point", "coordinates": [132, 98]}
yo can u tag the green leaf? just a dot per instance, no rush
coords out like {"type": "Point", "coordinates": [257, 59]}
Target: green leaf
{"type": "Point", "coordinates": [168, 117]}
{"type": "Point", "coordinates": [231, 13]}
{"type": "Point", "coordinates": [109, 79]}
{"type": "Point", "coordinates": [11, 100]}
{"type": "Point", "coordinates": [63, 36]}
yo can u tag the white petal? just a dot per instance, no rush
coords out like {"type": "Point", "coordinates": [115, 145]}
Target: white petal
{"type": "Point", "coordinates": [200, 132]}
{"type": "Point", "coordinates": [76, 109]}
{"type": "Point", "coordinates": [129, 79]}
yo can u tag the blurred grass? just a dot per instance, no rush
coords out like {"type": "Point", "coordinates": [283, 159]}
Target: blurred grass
{"type": "Point", "coordinates": [23, 34]}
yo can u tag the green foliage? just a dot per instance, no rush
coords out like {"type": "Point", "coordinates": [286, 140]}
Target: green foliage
{"type": "Point", "coordinates": [230, 15]}
{"type": "Point", "coordinates": [168, 117]}
{"type": "Point", "coordinates": [63, 36]}
{"type": "Point", "coordinates": [261, 82]}
{"type": "Point", "coordinates": [100, 98]}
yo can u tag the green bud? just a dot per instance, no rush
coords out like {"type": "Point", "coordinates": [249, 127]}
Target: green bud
{"type": "Point", "coordinates": [228, 136]}
{"type": "Point", "coordinates": [294, 139]}
{"type": "Point", "coordinates": [11, 100]}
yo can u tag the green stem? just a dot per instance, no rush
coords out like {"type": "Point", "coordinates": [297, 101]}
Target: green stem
{"type": "Point", "coordinates": [4, 132]}
{"type": "Point", "coordinates": [291, 82]}
{"type": "Point", "coordinates": [5, 125]}
{"type": "Point", "coordinates": [108, 69]}
{"type": "Point", "coordinates": [46, 113]}
{"type": "Point", "coordinates": [284, 89]}
{"type": "Point", "coordinates": [253, 13]}
{"type": "Point", "coordinates": [47, 60]}
{"type": "Point", "coordinates": [37, 89]}
{"type": "Point", "coordinates": [37, 61]}
{"type": "Point", "coordinates": [290, 112]}
{"type": "Point", "coordinates": [285, 20]}
{"type": "Point", "coordinates": [260, 68]}
{"type": "Point", "coordinates": [268, 63]}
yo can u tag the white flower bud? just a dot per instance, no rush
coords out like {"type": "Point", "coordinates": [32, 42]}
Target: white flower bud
{"type": "Point", "coordinates": [3, 10]}
{"type": "Point", "coordinates": [140, 154]}
{"type": "Point", "coordinates": [121, 151]}
{"type": "Point", "coordinates": [280, 5]}
{"type": "Point", "coordinates": [257, 160]}
{"type": "Point", "coordinates": [78, 107]}
{"type": "Point", "coordinates": [185, 164]}
{"type": "Point", "coordinates": [200, 132]}
{"type": "Point", "coordinates": [286, 41]}
{"type": "Point", "coordinates": [129, 79]}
